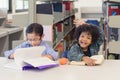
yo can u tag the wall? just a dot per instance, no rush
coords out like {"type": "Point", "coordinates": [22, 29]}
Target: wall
{"type": "Point", "coordinates": [88, 3]}
{"type": "Point", "coordinates": [88, 7]}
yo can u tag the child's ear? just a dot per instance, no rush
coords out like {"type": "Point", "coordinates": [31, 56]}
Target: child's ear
{"type": "Point", "coordinates": [43, 36]}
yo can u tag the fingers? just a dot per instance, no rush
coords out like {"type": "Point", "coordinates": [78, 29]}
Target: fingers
{"type": "Point", "coordinates": [91, 62]}
{"type": "Point", "coordinates": [78, 22]}
{"type": "Point", "coordinates": [88, 61]}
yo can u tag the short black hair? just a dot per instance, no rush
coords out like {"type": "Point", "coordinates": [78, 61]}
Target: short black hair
{"type": "Point", "coordinates": [91, 29]}
{"type": "Point", "coordinates": [36, 28]}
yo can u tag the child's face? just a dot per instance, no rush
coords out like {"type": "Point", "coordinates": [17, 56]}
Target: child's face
{"type": "Point", "coordinates": [85, 40]}
{"type": "Point", "coordinates": [34, 39]}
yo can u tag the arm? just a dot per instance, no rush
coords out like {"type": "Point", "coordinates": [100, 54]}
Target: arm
{"type": "Point", "coordinates": [10, 53]}
{"type": "Point", "coordinates": [78, 22]}
{"type": "Point", "coordinates": [49, 52]}
{"type": "Point", "coordinates": [75, 53]}
{"type": "Point", "coordinates": [100, 40]}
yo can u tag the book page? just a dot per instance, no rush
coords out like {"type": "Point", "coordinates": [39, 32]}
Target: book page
{"type": "Point", "coordinates": [13, 65]}
{"type": "Point", "coordinates": [27, 53]}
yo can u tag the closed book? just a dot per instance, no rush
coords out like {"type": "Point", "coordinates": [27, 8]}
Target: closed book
{"type": "Point", "coordinates": [44, 9]}
{"type": "Point", "coordinates": [99, 59]}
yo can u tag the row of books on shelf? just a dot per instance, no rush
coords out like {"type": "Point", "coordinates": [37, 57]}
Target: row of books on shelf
{"type": "Point", "coordinates": [58, 10]}
{"type": "Point", "coordinates": [55, 0]}
{"type": "Point", "coordinates": [114, 15]}
{"type": "Point", "coordinates": [113, 0]}
{"type": "Point", "coordinates": [55, 32]}
{"type": "Point", "coordinates": [61, 30]}
{"type": "Point", "coordinates": [49, 8]}
{"type": "Point", "coordinates": [114, 9]}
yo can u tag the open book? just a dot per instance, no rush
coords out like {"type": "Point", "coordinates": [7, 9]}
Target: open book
{"type": "Point", "coordinates": [30, 58]}
{"type": "Point", "coordinates": [99, 60]}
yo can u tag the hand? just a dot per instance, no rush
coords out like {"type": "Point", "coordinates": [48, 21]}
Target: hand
{"type": "Point", "coordinates": [78, 22]}
{"type": "Point", "coordinates": [11, 56]}
{"type": "Point", "coordinates": [48, 56]}
{"type": "Point", "coordinates": [88, 61]}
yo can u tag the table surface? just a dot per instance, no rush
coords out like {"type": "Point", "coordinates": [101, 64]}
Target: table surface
{"type": "Point", "coordinates": [109, 70]}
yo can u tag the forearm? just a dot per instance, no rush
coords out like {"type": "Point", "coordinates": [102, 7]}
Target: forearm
{"type": "Point", "coordinates": [100, 39]}
{"type": "Point", "coordinates": [75, 56]}
{"type": "Point", "coordinates": [9, 54]}
{"type": "Point", "coordinates": [78, 22]}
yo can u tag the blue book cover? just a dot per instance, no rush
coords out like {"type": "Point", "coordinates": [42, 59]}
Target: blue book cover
{"type": "Point", "coordinates": [57, 7]}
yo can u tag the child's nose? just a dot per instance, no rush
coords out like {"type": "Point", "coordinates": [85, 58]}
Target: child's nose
{"type": "Point", "coordinates": [33, 43]}
{"type": "Point", "coordinates": [85, 39]}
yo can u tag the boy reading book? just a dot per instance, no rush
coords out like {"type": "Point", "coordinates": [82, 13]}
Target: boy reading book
{"type": "Point", "coordinates": [24, 59]}
{"type": "Point", "coordinates": [34, 34]}
{"type": "Point", "coordinates": [89, 38]}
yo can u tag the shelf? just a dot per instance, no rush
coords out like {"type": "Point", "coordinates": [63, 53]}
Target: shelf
{"type": "Point", "coordinates": [112, 18]}
{"type": "Point", "coordinates": [11, 30]}
{"type": "Point", "coordinates": [62, 38]}
{"type": "Point", "coordinates": [114, 47]}
{"type": "Point", "coordinates": [7, 35]}
{"type": "Point", "coordinates": [55, 0]}
{"type": "Point", "coordinates": [55, 12]}
{"type": "Point", "coordinates": [114, 21]}
{"type": "Point", "coordinates": [112, 1]}
{"type": "Point", "coordinates": [3, 33]}
{"type": "Point", "coordinates": [91, 12]}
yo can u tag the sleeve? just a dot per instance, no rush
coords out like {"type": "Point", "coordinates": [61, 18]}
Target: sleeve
{"type": "Point", "coordinates": [50, 51]}
{"type": "Point", "coordinates": [9, 52]}
{"type": "Point", "coordinates": [100, 40]}
{"type": "Point", "coordinates": [75, 54]}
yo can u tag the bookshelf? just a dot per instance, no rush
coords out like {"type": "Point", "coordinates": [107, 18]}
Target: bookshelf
{"type": "Point", "coordinates": [56, 16]}
{"type": "Point", "coordinates": [112, 26]}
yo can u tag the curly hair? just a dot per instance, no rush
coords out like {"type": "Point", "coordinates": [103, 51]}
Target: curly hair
{"type": "Point", "coordinates": [90, 29]}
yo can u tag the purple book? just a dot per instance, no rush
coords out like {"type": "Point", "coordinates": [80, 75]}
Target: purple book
{"type": "Point", "coordinates": [27, 67]}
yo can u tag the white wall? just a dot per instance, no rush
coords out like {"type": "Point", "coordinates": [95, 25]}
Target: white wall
{"type": "Point", "coordinates": [88, 6]}
{"type": "Point", "coordinates": [88, 3]}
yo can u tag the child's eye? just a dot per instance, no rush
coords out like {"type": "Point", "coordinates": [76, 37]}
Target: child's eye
{"type": "Point", "coordinates": [89, 37]}
{"type": "Point", "coordinates": [82, 35]}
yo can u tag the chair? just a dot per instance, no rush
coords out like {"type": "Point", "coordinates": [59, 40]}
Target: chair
{"type": "Point", "coordinates": [16, 43]}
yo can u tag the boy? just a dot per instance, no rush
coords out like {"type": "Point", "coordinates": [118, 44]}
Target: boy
{"type": "Point", "coordinates": [34, 34]}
